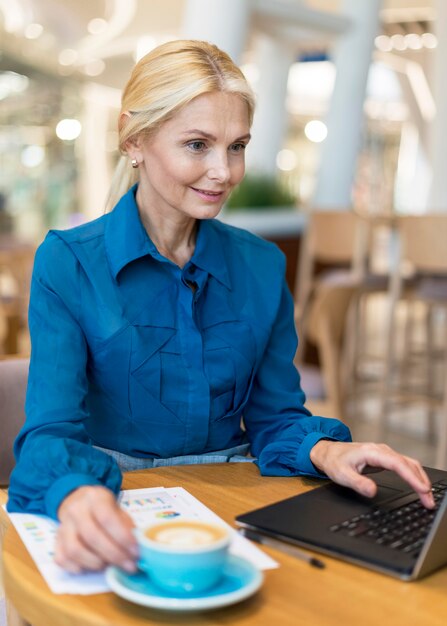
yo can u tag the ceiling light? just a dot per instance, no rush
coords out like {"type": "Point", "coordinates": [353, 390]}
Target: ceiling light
{"type": "Point", "coordinates": [97, 25]}
{"type": "Point", "coordinates": [429, 40]}
{"type": "Point", "coordinates": [68, 56]}
{"type": "Point", "coordinates": [286, 160]}
{"type": "Point", "coordinates": [413, 41]}
{"type": "Point", "coordinates": [11, 83]}
{"type": "Point", "coordinates": [383, 43]}
{"type": "Point", "coordinates": [68, 129]}
{"type": "Point", "coordinates": [95, 67]}
{"type": "Point", "coordinates": [32, 156]}
{"type": "Point", "coordinates": [33, 31]}
{"type": "Point", "coordinates": [315, 131]}
{"type": "Point", "coordinates": [398, 42]}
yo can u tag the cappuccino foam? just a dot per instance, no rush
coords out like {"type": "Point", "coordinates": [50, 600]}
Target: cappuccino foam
{"type": "Point", "coordinates": [185, 534]}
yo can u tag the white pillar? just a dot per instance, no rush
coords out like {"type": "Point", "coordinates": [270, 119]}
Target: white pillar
{"type": "Point", "coordinates": [438, 192]}
{"type": "Point", "coordinates": [345, 117]}
{"type": "Point", "coordinates": [270, 122]}
{"type": "Point", "coordinates": [222, 22]}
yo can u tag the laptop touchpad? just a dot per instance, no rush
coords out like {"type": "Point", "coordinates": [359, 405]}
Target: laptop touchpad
{"type": "Point", "coordinates": [383, 493]}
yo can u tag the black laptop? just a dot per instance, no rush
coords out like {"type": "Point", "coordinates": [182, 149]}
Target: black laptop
{"type": "Point", "coordinates": [391, 533]}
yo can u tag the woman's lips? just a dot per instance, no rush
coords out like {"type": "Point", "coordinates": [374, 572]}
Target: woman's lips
{"type": "Point", "coordinates": [208, 196]}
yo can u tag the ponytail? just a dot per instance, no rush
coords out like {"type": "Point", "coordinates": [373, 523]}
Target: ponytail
{"type": "Point", "coordinates": [124, 177]}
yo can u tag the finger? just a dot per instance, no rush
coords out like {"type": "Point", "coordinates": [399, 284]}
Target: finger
{"type": "Point", "coordinates": [98, 540]}
{"type": "Point", "coordinates": [424, 490]}
{"type": "Point", "coordinates": [381, 455]}
{"type": "Point", "coordinates": [413, 475]}
{"type": "Point", "coordinates": [62, 560]}
{"type": "Point", "coordinates": [410, 470]}
{"type": "Point", "coordinates": [349, 476]}
{"type": "Point", "coordinates": [428, 500]}
{"type": "Point", "coordinates": [72, 554]}
{"type": "Point", "coordinates": [353, 479]}
{"type": "Point", "coordinates": [118, 527]}
{"type": "Point", "coordinates": [93, 511]}
{"type": "Point", "coordinates": [420, 472]}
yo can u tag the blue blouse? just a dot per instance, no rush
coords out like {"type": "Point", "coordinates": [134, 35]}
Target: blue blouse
{"type": "Point", "coordinates": [126, 356]}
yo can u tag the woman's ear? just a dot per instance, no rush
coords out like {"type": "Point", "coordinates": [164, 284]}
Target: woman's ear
{"type": "Point", "coordinates": [123, 119]}
{"type": "Point", "coordinates": [132, 143]}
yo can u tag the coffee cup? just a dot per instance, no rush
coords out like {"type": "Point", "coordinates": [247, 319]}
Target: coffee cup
{"type": "Point", "coordinates": [183, 557]}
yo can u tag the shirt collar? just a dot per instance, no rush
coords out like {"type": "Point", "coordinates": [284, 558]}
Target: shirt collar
{"type": "Point", "coordinates": [125, 236]}
{"type": "Point", "coordinates": [126, 240]}
{"type": "Point", "coordinates": [209, 252]}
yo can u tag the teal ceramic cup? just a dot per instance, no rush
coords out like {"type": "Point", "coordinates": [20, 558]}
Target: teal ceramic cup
{"type": "Point", "coordinates": [183, 557]}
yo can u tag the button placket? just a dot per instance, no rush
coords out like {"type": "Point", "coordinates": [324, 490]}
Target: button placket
{"type": "Point", "coordinates": [192, 347]}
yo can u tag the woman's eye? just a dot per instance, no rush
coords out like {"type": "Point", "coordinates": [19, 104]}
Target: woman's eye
{"type": "Point", "coordinates": [238, 147]}
{"type": "Point", "coordinates": [197, 146]}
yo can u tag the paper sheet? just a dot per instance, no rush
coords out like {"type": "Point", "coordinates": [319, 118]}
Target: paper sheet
{"type": "Point", "coordinates": [145, 506]}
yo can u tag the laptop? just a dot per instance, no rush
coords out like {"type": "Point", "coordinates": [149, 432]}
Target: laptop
{"type": "Point", "coordinates": [391, 533]}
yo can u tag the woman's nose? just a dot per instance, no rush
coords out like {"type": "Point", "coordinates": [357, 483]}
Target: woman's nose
{"type": "Point", "coordinates": [219, 169]}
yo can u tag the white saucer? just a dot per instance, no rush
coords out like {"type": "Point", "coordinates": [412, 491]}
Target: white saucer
{"type": "Point", "coordinates": [241, 579]}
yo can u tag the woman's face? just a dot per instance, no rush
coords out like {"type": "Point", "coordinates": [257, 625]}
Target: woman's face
{"type": "Point", "coordinates": [191, 164]}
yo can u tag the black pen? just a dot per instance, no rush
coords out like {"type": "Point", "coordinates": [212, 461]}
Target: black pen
{"type": "Point", "coordinates": [282, 546]}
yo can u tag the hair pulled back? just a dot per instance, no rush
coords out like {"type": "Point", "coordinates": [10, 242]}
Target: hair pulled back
{"type": "Point", "coordinates": [164, 81]}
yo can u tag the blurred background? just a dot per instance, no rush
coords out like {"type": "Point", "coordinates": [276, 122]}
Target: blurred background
{"type": "Point", "coordinates": [349, 141]}
{"type": "Point", "coordinates": [64, 62]}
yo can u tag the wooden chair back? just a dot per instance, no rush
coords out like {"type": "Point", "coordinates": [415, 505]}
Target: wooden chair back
{"type": "Point", "coordinates": [333, 238]}
{"type": "Point", "coordinates": [331, 235]}
{"type": "Point", "coordinates": [16, 263]}
{"type": "Point", "coordinates": [424, 242]}
{"type": "Point", "coordinates": [13, 382]}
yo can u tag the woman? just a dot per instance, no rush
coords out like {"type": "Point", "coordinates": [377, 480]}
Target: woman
{"type": "Point", "coordinates": [156, 329]}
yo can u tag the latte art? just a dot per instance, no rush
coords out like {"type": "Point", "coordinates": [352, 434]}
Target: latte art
{"type": "Point", "coordinates": [185, 534]}
{"type": "Point", "coordinates": [183, 556]}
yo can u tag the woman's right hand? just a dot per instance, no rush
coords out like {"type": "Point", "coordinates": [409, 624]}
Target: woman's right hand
{"type": "Point", "coordinates": [94, 532]}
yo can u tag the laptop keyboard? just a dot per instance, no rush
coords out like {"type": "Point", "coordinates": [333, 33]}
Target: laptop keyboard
{"type": "Point", "coordinates": [401, 525]}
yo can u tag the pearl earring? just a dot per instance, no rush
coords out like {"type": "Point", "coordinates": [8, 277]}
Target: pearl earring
{"type": "Point", "coordinates": [134, 163]}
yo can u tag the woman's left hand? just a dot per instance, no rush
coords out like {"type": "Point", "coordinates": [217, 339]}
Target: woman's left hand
{"type": "Point", "coordinates": [344, 463]}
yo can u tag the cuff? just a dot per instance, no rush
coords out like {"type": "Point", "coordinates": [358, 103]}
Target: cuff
{"type": "Point", "coordinates": [62, 487]}
{"type": "Point", "coordinates": [303, 456]}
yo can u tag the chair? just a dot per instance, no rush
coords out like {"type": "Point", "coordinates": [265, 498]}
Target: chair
{"type": "Point", "coordinates": [328, 328]}
{"type": "Point", "coordinates": [420, 276]}
{"type": "Point", "coordinates": [3, 329]}
{"type": "Point", "coordinates": [16, 262]}
{"type": "Point", "coordinates": [13, 382]}
{"type": "Point", "coordinates": [336, 246]}
{"type": "Point", "coordinates": [328, 244]}
{"type": "Point", "coordinates": [337, 249]}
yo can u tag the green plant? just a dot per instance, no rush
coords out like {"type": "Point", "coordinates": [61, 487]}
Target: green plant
{"type": "Point", "coordinates": [260, 192]}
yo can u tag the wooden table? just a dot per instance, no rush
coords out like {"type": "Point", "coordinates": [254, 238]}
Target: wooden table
{"type": "Point", "coordinates": [294, 594]}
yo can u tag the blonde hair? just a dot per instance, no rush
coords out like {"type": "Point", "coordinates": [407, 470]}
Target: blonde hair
{"type": "Point", "coordinates": [163, 82]}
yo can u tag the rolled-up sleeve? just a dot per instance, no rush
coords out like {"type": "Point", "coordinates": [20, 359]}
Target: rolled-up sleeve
{"type": "Point", "coordinates": [281, 430]}
{"type": "Point", "coordinates": [53, 451]}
